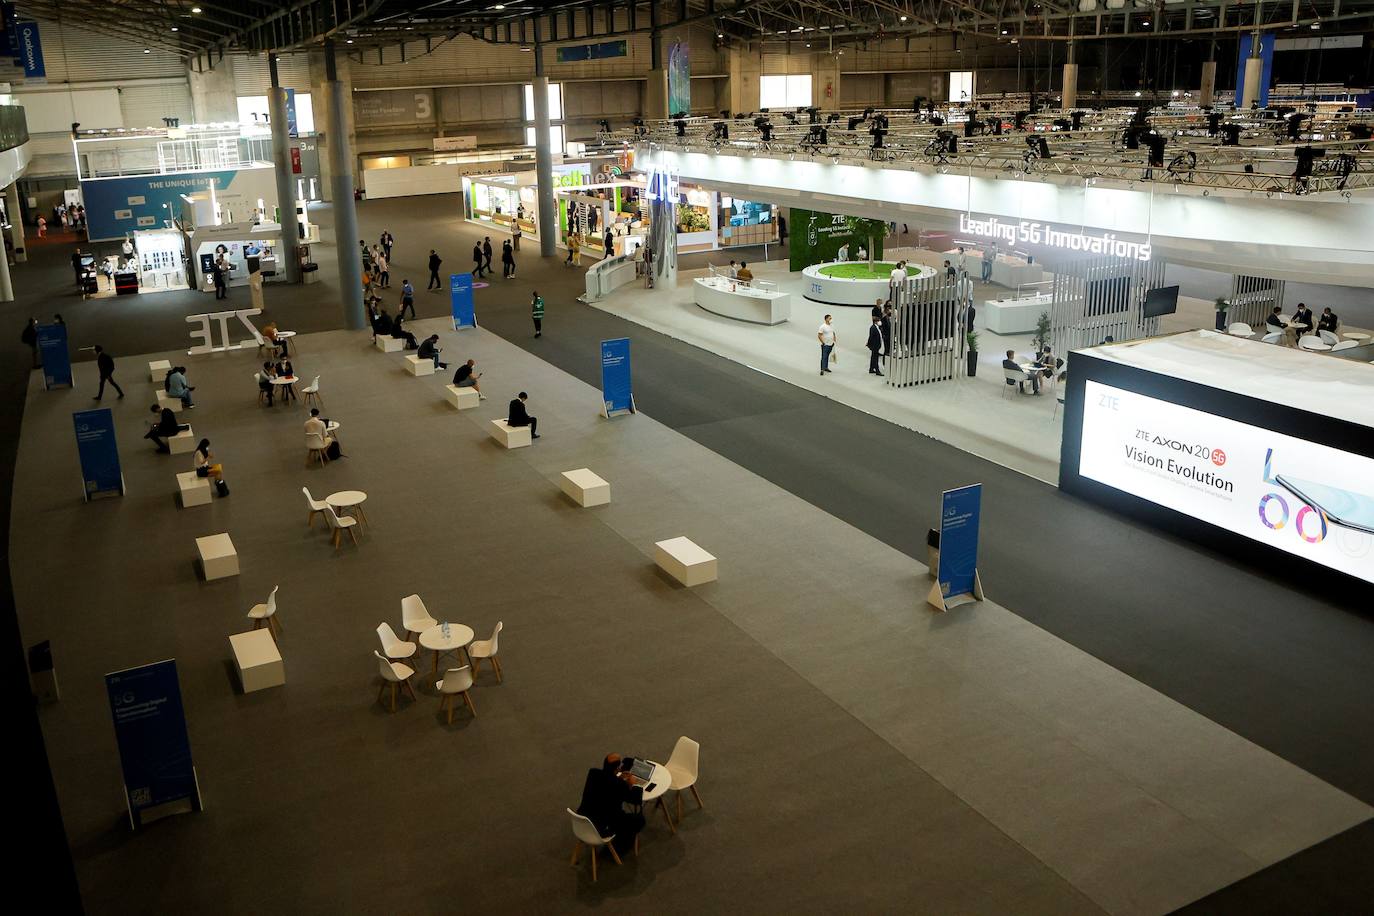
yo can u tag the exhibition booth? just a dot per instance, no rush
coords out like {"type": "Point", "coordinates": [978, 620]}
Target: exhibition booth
{"type": "Point", "coordinates": [248, 249]}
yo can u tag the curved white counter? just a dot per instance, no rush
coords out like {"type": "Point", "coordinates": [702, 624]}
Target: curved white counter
{"type": "Point", "coordinates": [761, 306]}
{"type": "Point", "coordinates": [842, 291]}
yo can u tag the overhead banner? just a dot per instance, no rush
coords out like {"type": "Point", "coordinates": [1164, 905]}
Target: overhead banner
{"type": "Point", "coordinates": [679, 80]}
{"type": "Point", "coordinates": [57, 361]}
{"type": "Point", "coordinates": [95, 444]}
{"type": "Point", "coordinates": [600, 51]}
{"type": "Point", "coordinates": [959, 515]}
{"type": "Point", "coordinates": [150, 729]}
{"type": "Point", "coordinates": [1266, 71]}
{"type": "Point", "coordinates": [460, 300]}
{"type": "Point", "coordinates": [31, 53]}
{"type": "Point", "coordinates": [616, 392]}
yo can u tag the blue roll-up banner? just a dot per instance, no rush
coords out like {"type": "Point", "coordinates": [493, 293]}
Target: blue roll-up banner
{"type": "Point", "coordinates": [959, 516]}
{"type": "Point", "coordinates": [1266, 69]}
{"type": "Point", "coordinates": [460, 299]}
{"type": "Point", "coordinates": [95, 443]}
{"type": "Point", "coordinates": [616, 391]}
{"type": "Point", "coordinates": [291, 128]}
{"type": "Point", "coordinates": [57, 362]}
{"type": "Point", "coordinates": [31, 53]}
{"type": "Point", "coordinates": [150, 729]}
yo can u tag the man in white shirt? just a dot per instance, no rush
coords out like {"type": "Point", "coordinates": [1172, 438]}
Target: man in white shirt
{"type": "Point", "coordinates": [316, 433]}
{"type": "Point", "coordinates": [826, 335]}
{"type": "Point", "coordinates": [896, 281]}
{"type": "Point", "coordinates": [844, 253]}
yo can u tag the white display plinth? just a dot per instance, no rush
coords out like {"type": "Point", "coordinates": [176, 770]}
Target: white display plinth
{"type": "Point", "coordinates": [724, 297]}
{"type": "Point", "coordinates": [419, 365]}
{"type": "Point", "coordinates": [258, 660]}
{"type": "Point", "coordinates": [218, 558]}
{"type": "Point", "coordinates": [509, 436]}
{"type": "Point", "coordinates": [194, 490]}
{"type": "Point", "coordinates": [1013, 316]}
{"type": "Point", "coordinates": [682, 559]}
{"type": "Point", "coordinates": [585, 487]}
{"type": "Point", "coordinates": [843, 291]}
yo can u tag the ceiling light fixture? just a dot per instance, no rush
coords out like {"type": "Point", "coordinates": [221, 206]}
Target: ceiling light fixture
{"type": "Point", "coordinates": [195, 9]}
{"type": "Point", "coordinates": [499, 6]}
{"type": "Point", "coordinates": [348, 41]}
{"type": "Point", "coordinates": [175, 29]}
{"type": "Point", "coordinates": [904, 19]}
{"type": "Point", "coordinates": [147, 50]}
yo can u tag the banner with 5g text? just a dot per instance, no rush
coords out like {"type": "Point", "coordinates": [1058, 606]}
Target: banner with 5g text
{"type": "Point", "coordinates": [1309, 500]}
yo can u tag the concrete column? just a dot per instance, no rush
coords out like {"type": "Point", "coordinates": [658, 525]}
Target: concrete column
{"type": "Point", "coordinates": [743, 70]}
{"type": "Point", "coordinates": [1254, 71]}
{"type": "Point", "coordinates": [6, 288]}
{"type": "Point", "coordinates": [543, 158]}
{"type": "Point", "coordinates": [324, 124]}
{"type": "Point", "coordinates": [16, 223]}
{"type": "Point", "coordinates": [825, 81]}
{"type": "Point", "coordinates": [1209, 82]}
{"type": "Point", "coordinates": [286, 185]}
{"type": "Point", "coordinates": [213, 99]}
{"type": "Point", "coordinates": [337, 98]}
{"type": "Point", "coordinates": [656, 95]}
{"type": "Point", "coordinates": [1070, 99]}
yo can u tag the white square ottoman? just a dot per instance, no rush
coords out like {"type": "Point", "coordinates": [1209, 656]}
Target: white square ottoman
{"type": "Point", "coordinates": [218, 559]}
{"type": "Point", "coordinates": [585, 488]}
{"type": "Point", "coordinates": [417, 366]}
{"type": "Point", "coordinates": [509, 436]}
{"type": "Point", "coordinates": [685, 561]}
{"type": "Point", "coordinates": [258, 659]}
{"type": "Point", "coordinates": [183, 443]}
{"type": "Point", "coordinates": [166, 400]}
{"type": "Point", "coordinates": [388, 344]}
{"type": "Point", "coordinates": [463, 398]}
{"type": "Point", "coordinates": [158, 369]}
{"type": "Point", "coordinates": [195, 491]}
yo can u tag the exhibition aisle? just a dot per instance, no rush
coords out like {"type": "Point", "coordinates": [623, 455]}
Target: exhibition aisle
{"type": "Point", "coordinates": [1063, 784]}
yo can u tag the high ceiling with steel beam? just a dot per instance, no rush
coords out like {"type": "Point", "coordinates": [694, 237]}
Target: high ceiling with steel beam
{"type": "Point", "coordinates": [191, 27]}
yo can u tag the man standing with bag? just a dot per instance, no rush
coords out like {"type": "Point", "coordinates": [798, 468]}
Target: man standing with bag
{"type": "Point", "coordinates": [826, 335]}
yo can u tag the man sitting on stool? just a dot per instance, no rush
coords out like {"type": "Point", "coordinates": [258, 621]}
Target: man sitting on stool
{"type": "Point", "coordinates": [1011, 363]}
{"type": "Point", "coordinates": [166, 425]}
{"type": "Point", "coordinates": [430, 349]}
{"type": "Point", "coordinates": [520, 417]}
{"type": "Point", "coordinates": [466, 378]}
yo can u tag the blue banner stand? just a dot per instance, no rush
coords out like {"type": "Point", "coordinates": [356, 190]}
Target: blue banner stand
{"type": "Point", "coordinates": [154, 746]}
{"type": "Point", "coordinates": [616, 394]}
{"type": "Point", "coordinates": [956, 580]}
{"type": "Point", "coordinates": [101, 474]}
{"type": "Point", "coordinates": [460, 301]}
{"type": "Point", "coordinates": [57, 361]}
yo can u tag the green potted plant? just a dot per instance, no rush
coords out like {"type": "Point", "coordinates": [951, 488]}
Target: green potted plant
{"type": "Point", "coordinates": [1042, 332]}
{"type": "Point", "coordinates": [971, 341]}
{"type": "Point", "coordinates": [1222, 306]}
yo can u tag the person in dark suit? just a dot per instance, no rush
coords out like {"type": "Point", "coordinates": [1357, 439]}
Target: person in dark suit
{"type": "Point", "coordinates": [381, 325]}
{"type": "Point", "coordinates": [166, 425]}
{"type": "Point", "coordinates": [875, 345]}
{"type": "Point", "coordinates": [1275, 320]}
{"type": "Point", "coordinates": [105, 364]}
{"type": "Point", "coordinates": [434, 262]}
{"type": "Point", "coordinates": [518, 416]}
{"type": "Point", "coordinates": [1328, 321]}
{"type": "Point", "coordinates": [885, 328]}
{"type": "Point", "coordinates": [430, 349]}
{"type": "Point", "coordinates": [611, 803]}
{"type": "Point", "coordinates": [486, 254]}
{"type": "Point", "coordinates": [1011, 363]}
{"type": "Point", "coordinates": [1302, 319]}
{"type": "Point", "coordinates": [398, 331]}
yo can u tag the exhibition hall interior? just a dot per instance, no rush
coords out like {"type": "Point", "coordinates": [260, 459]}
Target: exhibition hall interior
{"type": "Point", "coordinates": [533, 456]}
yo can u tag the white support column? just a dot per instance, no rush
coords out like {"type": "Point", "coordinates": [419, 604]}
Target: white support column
{"type": "Point", "coordinates": [16, 223]}
{"type": "Point", "coordinates": [1254, 72]}
{"type": "Point", "coordinates": [286, 187]}
{"type": "Point", "coordinates": [543, 158]}
{"type": "Point", "coordinates": [213, 99]}
{"type": "Point", "coordinates": [1209, 83]}
{"type": "Point", "coordinates": [337, 98]}
{"type": "Point", "coordinates": [1070, 98]}
{"type": "Point", "coordinates": [6, 288]}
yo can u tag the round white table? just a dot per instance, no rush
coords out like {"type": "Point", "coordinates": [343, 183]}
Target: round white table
{"type": "Point", "coordinates": [1355, 335]}
{"type": "Point", "coordinates": [458, 638]}
{"type": "Point", "coordinates": [286, 336]}
{"type": "Point", "coordinates": [287, 385]}
{"type": "Point", "coordinates": [661, 781]}
{"type": "Point", "coordinates": [1319, 345]}
{"type": "Point", "coordinates": [345, 500]}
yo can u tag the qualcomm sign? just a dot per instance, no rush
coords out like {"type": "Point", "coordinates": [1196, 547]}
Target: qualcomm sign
{"type": "Point", "coordinates": [1032, 233]}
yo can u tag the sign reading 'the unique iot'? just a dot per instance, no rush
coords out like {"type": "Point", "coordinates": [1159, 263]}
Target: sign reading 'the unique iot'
{"type": "Point", "coordinates": [1033, 233]}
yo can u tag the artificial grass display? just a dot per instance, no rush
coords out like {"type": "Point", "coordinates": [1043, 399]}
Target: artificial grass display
{"type": "Point", "coordinates": [861, 270]}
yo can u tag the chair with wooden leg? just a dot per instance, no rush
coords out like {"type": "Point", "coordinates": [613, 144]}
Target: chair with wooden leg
{"type": "Point", "coordinates": [394, 647]}
{"type": "Point", "coordinates": [586, 834]}
{"type": "Point", "coordinates": [456, 681]}
{"type": "Point", "coordinates": [316, 449]}
{"type": "Point", "coordinates": [268, 612]}
{"type": "Point", "coordinates": [312, 393]}
{"type": "Point", "coordinates": [682, 767]}
{"type": "Point", "coordinates": [415, 616]}
{"type": "Point", "coordinates": [486, 648]}
{"type": "Point", "coordinates": [316, 507]}
{"type": "Point", "coordinates": [396, 675]}
{"type": "Point", "coordinates": [340, 524]}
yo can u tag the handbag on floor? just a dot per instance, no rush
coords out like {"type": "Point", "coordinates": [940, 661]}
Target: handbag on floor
{"type": "Point", "coordinates": [333, 451]}
{"type": "Point", "coordinates": [221, 487]}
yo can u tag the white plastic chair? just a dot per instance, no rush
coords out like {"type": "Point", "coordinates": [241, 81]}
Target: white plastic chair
{"type": "Point", "coordinates": [1310, 342]}
{"type": "Point", "coordinates": [312, 393]}
{"type": "Point", "coordinates": [257, 382]}
{"type": "Point", "coordinates": [486, 648]}
{"type": "Point", "coordinates": [456, 681]}
{"type": "Point", "coordinates": [415, 616]}
{"type": "Point", "coordinates": [268, 612]}
{"type": "Point", "coordinates": [682, 767]}
{"type": "Point", "coordinates": [315, 447]}
{"type": "Point", "coordinates": [1058, 402]}
{"type": "Point", "coordinates": [1240, 329]}
{"type": "Point", "coordinates": [1328, 338]}
{"type": "Point", "coordinates": [316, 507]}
{"type": "Point", "coordinates": [586, 834]}
{"type": "Point", "coordinates": [1273, 338]}
{"type": "Point", "coordinates": [340, 524]}
{"type": "Point", "coordinates": [393, 645]}
{"type": "Point", "coordinates": [1014, 377]}
{"type": "Point", "coordinates": [395, 674]}
{"type": "Point", "coordinates": [1344, 345]}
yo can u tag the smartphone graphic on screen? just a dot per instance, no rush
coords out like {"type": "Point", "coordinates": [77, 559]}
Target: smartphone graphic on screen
{"type": "Point", "coordinates": [1353, 510]}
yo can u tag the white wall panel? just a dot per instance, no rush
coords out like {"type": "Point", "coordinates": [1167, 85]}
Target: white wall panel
{"type": "Point", "coordinates": [73, 54]}
{"type": "Point", "coordinates": [54, 110]}
{"type": "Point", "coordinates": [408, 182]}
{"type": "Point", "coordinates": [253, 77]}
{"type": "Point", "coordinates": [146, 106]}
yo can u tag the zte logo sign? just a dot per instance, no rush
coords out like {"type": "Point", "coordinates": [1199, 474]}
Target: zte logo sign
{"type": "Point", "coordinates": [1110, 401]}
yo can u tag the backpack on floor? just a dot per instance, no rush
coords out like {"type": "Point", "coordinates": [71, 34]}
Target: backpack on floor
{"type": "Point", "coordinates": [222, 488]}
{"type": "Point", "coordinates": [334, 452]}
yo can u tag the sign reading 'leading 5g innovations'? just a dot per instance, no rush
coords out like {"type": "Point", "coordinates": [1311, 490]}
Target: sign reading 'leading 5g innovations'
{"type": "Point", "coordinates": [1307, 499]}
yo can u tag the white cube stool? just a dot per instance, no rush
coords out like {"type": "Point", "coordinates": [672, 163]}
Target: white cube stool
{"type": "Point", "coordinates": [183, 443]}
{"type": "Point", "coordinates": [585, 488]}
{"type": "Point", "coordinates": [463, 398]}
{"type": "Point", "coordinates": [195, 491]}
{"type": "Point", "coordinates": [158, 369]}
{"type": "Point", "coordinates": [685, 561]}
{"type": "Point", "coordinates": [389, 344]}
{"type": "Point", "coordinates": [218, 559]}
{"type": "Point", "coordinates": [166, 400]}
{"type": "Point", "coordinates": [418, 366]}
{"type": "Point", "coordinates": [509, 436]}
{"type": "Point", "coordinates": [258, 659]}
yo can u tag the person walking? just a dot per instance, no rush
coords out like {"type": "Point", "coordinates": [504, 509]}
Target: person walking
{"type": "Point", "coordinates": [608, 244]}
{"type": "Point", "coordinates": [434, 262]}
{"type": "Point", "coordinates": [537, 313]}
{"type": "Point", "coordinates": [515, 236]}
{"type": "Point", "coordinates": [486, 255]}
{"type": "Point", "coordinates": [387, 241]}
{"type": "Point", "coordinates": [105, 364]}
{"type": "Point", "coordinates": [220, 275]}
{"type": "Point", "coordinates": [989, 253]}
{"type": "Point", "coordinates": [383, 269]}
{"type": "Point", "coordinates": [875, 345]}
{"type": "Point", "coordinates": [828, 338]}
{"type": "Point", "coordinates": [407, 298]}
{"type": "Point", "coordinates": [507, 260]}
{"type": "Point", "coordinates": [476, 261]}
{"type": "Point", "coordinates": [42, 228]}
{"type": "Point", "coordinates": [29, 337]}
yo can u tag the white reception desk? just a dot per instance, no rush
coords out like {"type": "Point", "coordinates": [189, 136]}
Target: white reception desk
{"type": "Point", "coordinates": [761, 306]}
{"type": "Point", "coordinates": [1013, 316]}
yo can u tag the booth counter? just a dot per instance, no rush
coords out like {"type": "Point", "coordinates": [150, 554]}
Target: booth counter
{"type": "Point", "coordinates": [610, 274]}
{"type": "Point", "coordinates": [1013, 316]}
{"type": "Point", "coordinates": [730, 299]}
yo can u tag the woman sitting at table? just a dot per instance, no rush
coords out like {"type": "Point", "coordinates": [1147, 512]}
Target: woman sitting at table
{"type": "Point", "coordinates": [611, 803]}
{"type": "Point", "coordinates": [265, 382]}
{"type": "Point", "coordinates": [1049, 361]}
{"type": "Point", "coordinates": [270, 332]}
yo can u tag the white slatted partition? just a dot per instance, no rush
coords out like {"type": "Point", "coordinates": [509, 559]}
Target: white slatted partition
{"type": "Point", "coordinates": [926, 340]}
{"type": "Point", "coordinates": [1096, 298]}
{"type": "Point", "coordinates": [1253, 299]}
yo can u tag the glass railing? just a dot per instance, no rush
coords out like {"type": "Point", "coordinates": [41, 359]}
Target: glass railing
{"type": "Point", "coordinates": [14, 130]}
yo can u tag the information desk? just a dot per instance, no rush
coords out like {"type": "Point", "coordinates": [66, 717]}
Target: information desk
{"type": "Point", "coordinates": [1007, 269]}
{"type": "Point", "coordinates": [1013, 316]}
{"type": "Point", "coordinates": [728, 299]}
{"type": "Point", "coordinates": [610, 274]}
{"type": "Point", "coordinates": [832, 283]}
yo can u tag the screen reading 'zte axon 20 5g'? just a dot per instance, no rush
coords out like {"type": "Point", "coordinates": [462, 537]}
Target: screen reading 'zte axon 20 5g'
{"type": "Point", "coordinates": [1310, 500]}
